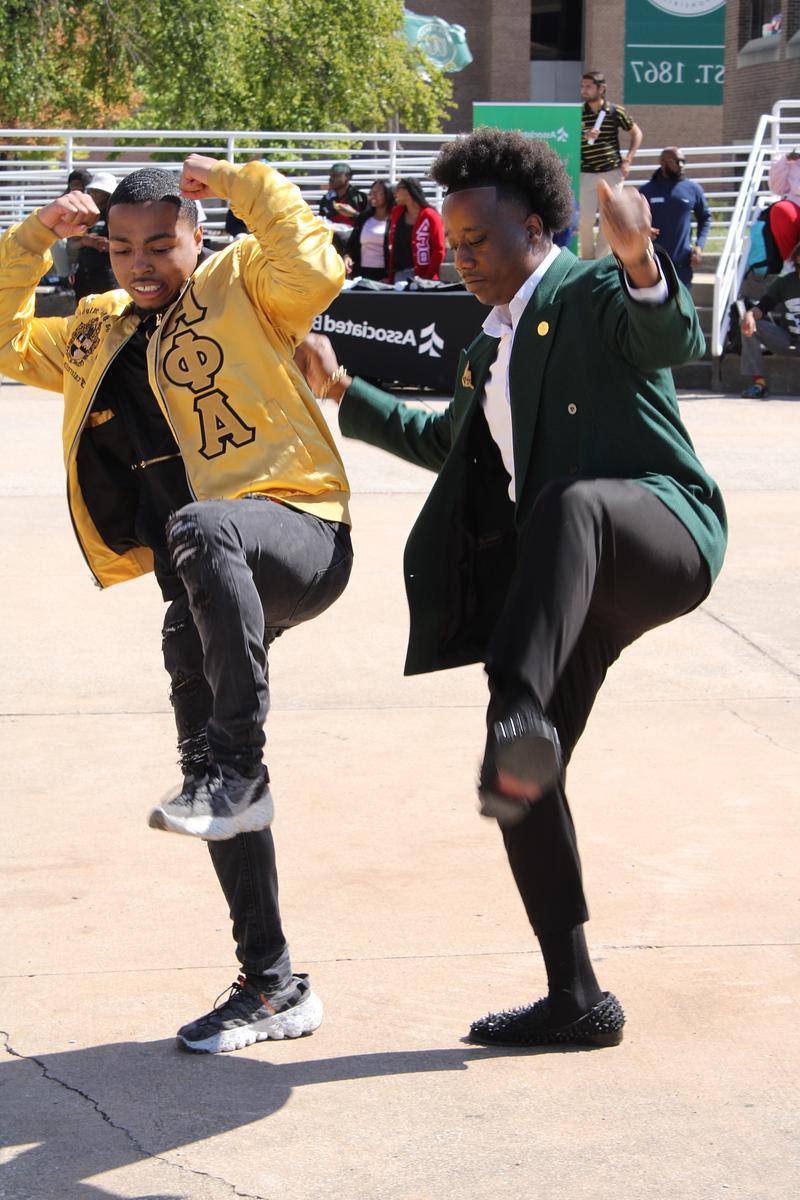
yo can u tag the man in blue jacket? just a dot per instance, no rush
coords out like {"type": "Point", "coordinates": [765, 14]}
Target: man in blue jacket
{"type": "Point", "coordinates": [674, 201]}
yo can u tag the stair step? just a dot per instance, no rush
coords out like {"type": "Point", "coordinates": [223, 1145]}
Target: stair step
{"type": "Point", "coordinates": [782, 373]}
{"type": "Point", "coordinates": [696, 376]}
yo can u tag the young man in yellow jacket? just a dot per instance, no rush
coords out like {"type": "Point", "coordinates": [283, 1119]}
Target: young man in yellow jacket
{"type": "Point", "coordinates": [194, 448]}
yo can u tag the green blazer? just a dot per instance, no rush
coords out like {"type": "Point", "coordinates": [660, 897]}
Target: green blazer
{"type": "Point", "coordinates": [592, 396]}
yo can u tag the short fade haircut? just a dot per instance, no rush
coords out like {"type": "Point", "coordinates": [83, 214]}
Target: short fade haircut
{"type": "Point", "coordinates": [153, 184]}
{"type": "Point", "coordinates": [524, 170]}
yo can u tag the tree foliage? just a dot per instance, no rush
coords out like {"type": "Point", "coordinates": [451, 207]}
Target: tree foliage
{"type": "Point", "coordinates": [62, 63]}
{"type": "Point", "coordinates": [215, 64]}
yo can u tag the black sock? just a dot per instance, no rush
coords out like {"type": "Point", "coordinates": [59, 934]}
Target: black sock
{"type": "Point", "coordinates": [572, 985]}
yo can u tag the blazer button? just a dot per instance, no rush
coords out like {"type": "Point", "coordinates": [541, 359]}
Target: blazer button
{"type": "Point", "coordinates": [572, 409]}
{"type": "Point", "coordinates": [573, 470]}
{"type": "Point", "coordinates": [543, 329]}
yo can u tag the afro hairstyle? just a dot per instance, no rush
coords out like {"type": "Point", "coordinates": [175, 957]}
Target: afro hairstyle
{"type": "Point", "coordinates": [522, 169]}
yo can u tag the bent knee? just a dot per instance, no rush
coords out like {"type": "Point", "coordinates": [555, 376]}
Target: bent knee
{"type": "Point", "coordinates": [188, 534]}
{"type": "Point", "coordinates": [181, 647]}
{"type": "Point", "coordinates": [568, 495]}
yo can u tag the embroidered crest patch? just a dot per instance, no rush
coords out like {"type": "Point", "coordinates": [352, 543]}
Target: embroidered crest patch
{"type": "Point", "coordinates": [85, 340]}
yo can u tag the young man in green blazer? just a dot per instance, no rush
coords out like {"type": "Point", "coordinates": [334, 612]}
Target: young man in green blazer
{"type": "Point", "coordinates": [569, 516]}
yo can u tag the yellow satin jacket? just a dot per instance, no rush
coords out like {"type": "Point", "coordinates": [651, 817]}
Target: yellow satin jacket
{"type": "Point", "coordinates": [220, 364]}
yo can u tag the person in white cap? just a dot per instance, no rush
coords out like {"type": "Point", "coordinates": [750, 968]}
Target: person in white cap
{"type": "Point", "coordinates": [93, 272]}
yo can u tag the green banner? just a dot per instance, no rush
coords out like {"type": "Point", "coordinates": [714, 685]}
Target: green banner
{"type": "Point", "coordinates": [557, 124]}
{"type": "Point", "coordinates": [674, 51]}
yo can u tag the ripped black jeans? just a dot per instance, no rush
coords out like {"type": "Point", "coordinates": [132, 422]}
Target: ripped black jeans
{"type": "Point", "coordinates": [251, 568]}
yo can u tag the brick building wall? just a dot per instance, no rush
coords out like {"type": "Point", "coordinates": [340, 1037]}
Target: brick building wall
{"type": "Point", "coordinates": [662, 125]}
{"type": "Point", "coordinates": [756, 75]}
{"type": "Point", "coordinates": [498, 34]}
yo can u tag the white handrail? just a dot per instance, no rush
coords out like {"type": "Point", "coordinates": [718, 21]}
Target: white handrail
{"type": "Point", "coordinates": [772, 134]}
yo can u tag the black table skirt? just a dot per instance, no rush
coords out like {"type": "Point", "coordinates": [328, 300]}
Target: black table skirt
{"type": "Point", "coordinates": [411, 338]}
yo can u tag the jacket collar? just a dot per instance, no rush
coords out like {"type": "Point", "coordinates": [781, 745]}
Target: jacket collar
{"type": "Point", "coordinates": [532, 343]}
{"type": "Point", "coordinates": [528, 359]}
{"type": "Point", "coordinates": [505, 316]}
{"type": "Point", "coordinates": [548, 287]}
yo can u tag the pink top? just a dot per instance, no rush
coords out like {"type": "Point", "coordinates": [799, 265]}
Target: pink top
{"type": "Point", "coordinates": [784, 178]}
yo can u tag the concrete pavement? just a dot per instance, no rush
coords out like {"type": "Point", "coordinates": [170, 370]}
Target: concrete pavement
{"type": "Point", "coordinates": [396, 895]}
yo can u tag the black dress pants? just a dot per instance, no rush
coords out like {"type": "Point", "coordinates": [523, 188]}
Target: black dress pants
{"type": "Point", "coordinates": [599, 562]}
{"type": "Point", "coordinates": [251, 568]}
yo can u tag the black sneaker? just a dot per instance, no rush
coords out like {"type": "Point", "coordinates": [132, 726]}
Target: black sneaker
{"type": "Point", "coordinates": [249, 1015]}
{"type": "Point", "coordinates": [220, 805]}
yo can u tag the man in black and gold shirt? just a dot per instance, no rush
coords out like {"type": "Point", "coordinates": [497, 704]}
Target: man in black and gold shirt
{"type": "Point", "coordinates": [600, 154]}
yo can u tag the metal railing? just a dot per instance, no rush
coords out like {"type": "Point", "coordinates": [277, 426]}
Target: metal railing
{"type": "Point", "coordinates": [34, 163]}
{"type": "Point", "coordinates": [776, 132]}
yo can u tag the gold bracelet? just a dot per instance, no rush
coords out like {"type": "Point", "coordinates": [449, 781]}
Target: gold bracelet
{"type": "Point", "coordinates": [333, 378]}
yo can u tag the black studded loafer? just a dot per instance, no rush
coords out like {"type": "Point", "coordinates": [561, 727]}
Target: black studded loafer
{"type": "Point", "coordinates": [531, 1026]}
{"type": "Point", "coordinates": [524, 743]}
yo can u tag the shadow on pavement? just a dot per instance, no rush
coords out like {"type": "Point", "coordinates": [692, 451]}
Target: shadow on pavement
{"type": "Point", "coordinates": [136, 1100]}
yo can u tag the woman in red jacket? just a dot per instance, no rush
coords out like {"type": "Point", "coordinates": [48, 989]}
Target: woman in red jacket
{"type": "Point", "coordinates": [416, 235]}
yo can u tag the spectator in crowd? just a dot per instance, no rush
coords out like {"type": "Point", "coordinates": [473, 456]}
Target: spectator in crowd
{"type": "Point", "coordinates": [563, 237]}
{"type": "Point", "coordinates": [368, 248]}
{"type": "Point", "coordinates": [601, 157]}
{"type": "Point", "coordinates": [194, 450]}
{"type": "Point", "coordinates": [759, 328]}
{"type": "Point", "coordinates": [65, 250]}
{"type": "Point", "coordinates": [416, 235]}
{"type": "Point", "coordinates": [93, 273]}
{"type": "Point", "coordinates": [342, 202]}
{"type": "Point", "coordinates": [235, 226]}
{"type": "Point", "coordinates": [674, 201]}
{"type": "Point", "coordinates": [569, 515]}
{"type": "Point", "coordinates": [784, 216]}
{"type": "Point", "coordinates": [78, 180]}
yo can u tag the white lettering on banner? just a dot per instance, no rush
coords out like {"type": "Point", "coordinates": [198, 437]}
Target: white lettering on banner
{"type": "Point", "coordinates": [434, 343]}
{"type": "Point", "coordinates": [424, 243]}
{"type": "Point", "coordinates": [429, 340]}
{"type": "Point", "coordinates": [669, 72]}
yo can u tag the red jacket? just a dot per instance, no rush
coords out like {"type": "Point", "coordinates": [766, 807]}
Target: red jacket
{"type": "Point", "coordinates": [427, 242]}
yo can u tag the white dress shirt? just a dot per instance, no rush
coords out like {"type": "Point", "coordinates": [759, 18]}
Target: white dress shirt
{"type": "Point", "coordinates": [502, 322]}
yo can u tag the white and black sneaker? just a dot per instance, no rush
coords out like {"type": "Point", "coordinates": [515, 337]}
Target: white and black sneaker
{"type": "Point", "coordinates": [218, 806]}
{"type": "Point", "coordinates": [250, 1015]}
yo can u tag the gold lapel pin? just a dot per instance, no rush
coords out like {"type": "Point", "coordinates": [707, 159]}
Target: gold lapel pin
{"type": "Point", "coordinates": [543, 329]}
{"type": "Point", "coordinates": [466, 378]}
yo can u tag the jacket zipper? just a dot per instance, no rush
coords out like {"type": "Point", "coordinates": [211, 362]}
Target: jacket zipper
{"type": "Point", "coordinates": [78, 433]}
{"type": "Point", "coordinates": [160, 323]}
{"type": "Point", "coordinates": [151, 462]}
